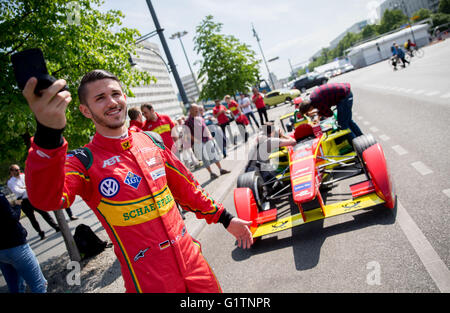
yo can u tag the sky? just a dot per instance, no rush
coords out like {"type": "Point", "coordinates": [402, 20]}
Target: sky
{"type": "Point", "coordinates": [288, 29]}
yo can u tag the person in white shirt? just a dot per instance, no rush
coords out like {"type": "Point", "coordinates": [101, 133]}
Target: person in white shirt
{"type": "Point", "coordinates": [246, 107]}
{"type": "Point", "coordinates": [16, 184]}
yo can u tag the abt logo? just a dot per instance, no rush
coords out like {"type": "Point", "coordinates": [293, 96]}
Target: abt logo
{"type": "Point", "coordinates": [115, 159]}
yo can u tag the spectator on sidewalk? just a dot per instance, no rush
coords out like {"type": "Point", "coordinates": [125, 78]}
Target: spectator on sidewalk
{"type": "Point", "coordinates": [18, 262]}
{"type": "Point", "coordinates": [184, 145]}
{"type": "Point", "coordinates": [136, 122]}
{"type": "Point", "coordinates": [201, 137]}
{"type": "Point", "coordinates": [239, 117]}
{"type": "Point", "coordinates": [219, 112]}
{"type": "Point", "coordinates": [16, 184]}
{"type": "Point", "coordinates": [246, 106]}
{"type": "Point", "coordinates": [258, 100]}
{"type": "Point", "coordinates": [159, 123]}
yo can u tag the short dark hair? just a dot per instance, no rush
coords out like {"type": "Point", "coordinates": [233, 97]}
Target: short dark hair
{"type": "Point", "coordinates": [93, 76]}
{"type": "Point", "coordinates": [147, 105]}
{"type": "Point", "coordinates": [133, 113]}
{"type": "Point", "coordinates": [305, 106]}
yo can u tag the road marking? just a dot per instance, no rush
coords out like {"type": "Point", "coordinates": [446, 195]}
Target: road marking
{"type": "Point", "coordinates": [430, 259]}
{"type": "Point", "coordinates": [421, 168]}
{"type": "Point", "coordinates": [447, 95]}
{"type": "Point", "coordinates": [374, 129]}
{"type": "Point", "coordinates": [399, 150]}
{"type": "Point", "coordinates": [418, 92]}
{"type": "Point", "coordinates": [359, 117]}
{"type": "Point", "coordinates": [366, 123]}
{"type": "Point", "coordinates": [446, 192]}
{"type": "Point", "coordinates": [432, 93]}
{"type": "Point", "coordinates": [384, 137]}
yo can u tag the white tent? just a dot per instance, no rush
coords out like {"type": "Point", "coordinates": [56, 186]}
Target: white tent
{"type": "Point", "coordinates": [380, 49]}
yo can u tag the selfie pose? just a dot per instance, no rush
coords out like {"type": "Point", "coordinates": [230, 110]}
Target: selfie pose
{"type": "Point", "coordinates": [130, 181]}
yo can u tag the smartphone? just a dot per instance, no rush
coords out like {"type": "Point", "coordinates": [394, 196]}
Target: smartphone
{"type": "Point", "coordinates": [31, 63]}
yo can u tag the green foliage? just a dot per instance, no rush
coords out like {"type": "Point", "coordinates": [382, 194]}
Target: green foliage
{"type": "Point", "coordinates": [71, 48]}
{"type": "Point", "coordinates": [444, 7]}
{"type": "Point", "coordinates": [228, 66]}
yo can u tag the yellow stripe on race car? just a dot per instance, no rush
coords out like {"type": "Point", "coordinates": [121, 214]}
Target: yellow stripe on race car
{"type": "Point", "coordinates": [316, 214]}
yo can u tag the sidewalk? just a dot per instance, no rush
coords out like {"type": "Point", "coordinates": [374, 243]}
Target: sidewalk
{"type": "Point", "coordinates": [102, 273]}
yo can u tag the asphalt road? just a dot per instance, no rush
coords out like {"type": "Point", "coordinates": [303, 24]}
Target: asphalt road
{"type": "Point", "coordinates": [408, 112]}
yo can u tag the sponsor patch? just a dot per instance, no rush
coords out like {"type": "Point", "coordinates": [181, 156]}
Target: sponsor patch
{"type": "Point", "coordinates": [158, 173]}
{"type": "Point", "coordinates": [164, 245]}
{"type": "Point", "coordinates": [133, 180]}
{"type": "Point", "coordinates": [126, 145]}
{"type": "Point", "coordinates": [111, 161]}
{"type": "Point", "coordinates": [302, 186]}
{"type": "Point", "coordinates": [140, 254]}
{"type": "Point", "coordinates": [109, 187]}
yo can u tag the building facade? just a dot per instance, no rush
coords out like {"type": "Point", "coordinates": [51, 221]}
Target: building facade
{"type": "Point", "coordinates": [409, 7]}
{"type": "Point", "coordinates": [162, 94]}
{"type": "Point", "coordinates": [355, 28]}
{"type": "Point", "coordinates": [190, 87]}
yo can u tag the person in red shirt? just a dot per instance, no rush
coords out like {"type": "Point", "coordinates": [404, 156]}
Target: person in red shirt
{"type": "Point", "coordinates": [136, 122]}
{"type": "Point", "coordinates": [234, 107]}
{"type": "Point", "coordinates": [219, 113]}
{"type": "Point", "coordinates": [323, 98]}
{"type": "Point", "coordinates": [258, 100]}
{"type": "Point", "coordinates": [159, 123]}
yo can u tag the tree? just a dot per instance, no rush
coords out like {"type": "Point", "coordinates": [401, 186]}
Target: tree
{"type": "Point", "coordinates": [444, 6]}
{"type": "Point", "coordinates": [369, 31]}
{"type": "Point", "coordinates": [75, 38]}
{"type": "Point", "coordinates": [391, 20]}
{"type": "Point", "coordinates": [421, 14]}
{"type": "Point", "coordinates": [228, 66]}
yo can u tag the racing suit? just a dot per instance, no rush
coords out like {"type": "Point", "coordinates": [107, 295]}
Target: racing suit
{"type": "Point", "coordinates": [131, 185]}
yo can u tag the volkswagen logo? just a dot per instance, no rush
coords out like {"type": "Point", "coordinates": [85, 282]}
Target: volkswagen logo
{"type": "Point", "coordinates": [109, 187]}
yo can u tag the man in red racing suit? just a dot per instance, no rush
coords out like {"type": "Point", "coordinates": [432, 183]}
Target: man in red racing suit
{"type": "Point", "coordinates": [131, 183]}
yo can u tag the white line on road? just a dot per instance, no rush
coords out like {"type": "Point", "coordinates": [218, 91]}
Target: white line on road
{"type": "Point", "coordinates": [384, 137]}
{"type": "Point", "coordinates": [430, 259]}
{"type": "Point", "coordinates": [446, 192]}
{"type": "Point", "coordinates": [447, 95]}
{"type": "Point", "coordinates": [374, 129]}
{"type": "Point", "coordinates": [421, 168]}
{"type": "Point", "coordinates": [359, 117]}
{"type": "Point", "coordinates": [366, 123]}
{"type": "Point", "coordinates": [418, 92]}
{"type": "Point", "coordinates": [399, 150]}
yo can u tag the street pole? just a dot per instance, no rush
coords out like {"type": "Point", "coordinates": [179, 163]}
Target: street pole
{"type": "Point", "coordinates": [179, 35]}
{"type": "Point", "coordinates": [168, 54]}
{"type": "Point", "coordinates": [409, 20]}
{"type": "Point", "coordinates": [264, 58]}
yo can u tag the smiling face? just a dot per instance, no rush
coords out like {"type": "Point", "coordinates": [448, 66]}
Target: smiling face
{"type": "Point", "coordinates": [106, 106]}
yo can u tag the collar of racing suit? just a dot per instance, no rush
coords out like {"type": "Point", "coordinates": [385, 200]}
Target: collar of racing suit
{"type": "Point", "coordinates": [113, 144]}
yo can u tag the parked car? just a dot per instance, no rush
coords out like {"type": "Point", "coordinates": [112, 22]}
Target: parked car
{"type": "Point", "coordinates": [310, 80]}
{"type": "Point", "coordinates": [278, 96]}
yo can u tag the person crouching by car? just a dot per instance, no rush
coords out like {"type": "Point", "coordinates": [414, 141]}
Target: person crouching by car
{"type": "Point", "coordinates": [323, 98]}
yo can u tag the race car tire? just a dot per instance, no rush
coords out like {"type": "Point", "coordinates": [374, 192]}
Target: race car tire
{"type": "Point", "coordinates": [380, 175]}
{"type": "Point", "coordinates": [254, 181]}
{"type": "Point", "coordinates": [360, 144]}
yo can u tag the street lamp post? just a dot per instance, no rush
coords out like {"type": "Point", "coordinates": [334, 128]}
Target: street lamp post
{"type": "Point", "coordinates": [264, 58]}
{"type": "Point", "coordinates": [159, 30]}
{"type": "Point", "coordinates": [179, 35]}
{"type": "Point", "coordinates": [402, 3]}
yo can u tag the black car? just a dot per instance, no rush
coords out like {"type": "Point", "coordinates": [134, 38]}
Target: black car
{"type": "Point", "coordinates": [310, 80]}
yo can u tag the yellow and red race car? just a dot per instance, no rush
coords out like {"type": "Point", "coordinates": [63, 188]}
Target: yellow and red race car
{"type": "Point", "coordinates": [322, 158]}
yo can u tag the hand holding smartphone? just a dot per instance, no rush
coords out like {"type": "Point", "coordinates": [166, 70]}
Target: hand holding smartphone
{"type": "Point", "coordinates": [47, 97]}
{"type": "Point", "coordinates": [31, 63]}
